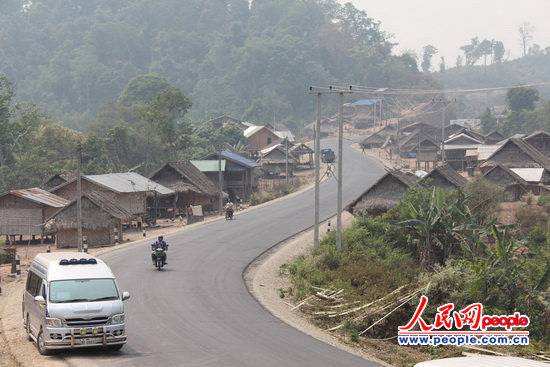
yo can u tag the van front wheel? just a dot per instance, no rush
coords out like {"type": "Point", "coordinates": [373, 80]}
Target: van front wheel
{"type": "Point", "coordinates": [115, 347]}
{"type": "Point", "coordinates": [40, 345]}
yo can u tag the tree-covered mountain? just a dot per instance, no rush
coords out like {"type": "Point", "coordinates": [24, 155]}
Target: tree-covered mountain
{"type": "Point", "coordinates": [253, 60]}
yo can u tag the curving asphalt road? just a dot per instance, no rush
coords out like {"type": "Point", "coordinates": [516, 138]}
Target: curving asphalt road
{"type": "Point", "coordinates": [198, 312]}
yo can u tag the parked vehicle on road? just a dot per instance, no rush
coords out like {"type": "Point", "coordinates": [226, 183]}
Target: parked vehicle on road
{"type": "Point", "coordinates": [72, 302]}
{"type": "Point", "coordinates": [327, 155]}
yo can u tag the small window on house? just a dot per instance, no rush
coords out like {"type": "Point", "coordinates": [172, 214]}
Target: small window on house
{"type": "Point", "coordinates": [268, 140]}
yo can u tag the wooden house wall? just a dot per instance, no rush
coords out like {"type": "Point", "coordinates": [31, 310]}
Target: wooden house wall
{"type": "Point", "coordinates": [19, 216]}
{"type": "Point", "coordinates": [261, 139]}
{"type": "Point", "coordinates": [427, 156]}
{"type": "Point", "coordinates": [462, 140]}
{"type": "Point", "coordinates": [193, 198]}
{"type": "Point", "coordinates": [456, 159]}
{"type": "Point", "coordinates": [214, 177]}
{"type": "Point", "coordinates": [512, 190]}
{"type": "Point", "coordinates": [67, 238]}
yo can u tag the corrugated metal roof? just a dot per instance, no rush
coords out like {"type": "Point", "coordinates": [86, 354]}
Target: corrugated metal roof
{"type": "Point", "coordinates": [128, 182]}
{"type": "Point", "coordinates": [240, 159]}
{"type": "Point", "coordinates": [463, 135]}
{"type": "Point", "coordinates": [285, 134]}
{"type": "Point", "coordinates": [252, 130]}
{"type": "Point", "coordinates": [41, 196]}
{"type": "Point", "coordinates": [208, 165]}
{"type": "Point", "coordinates": [485, 151]}
{"type": "Point", "coordinates": [529, 174]}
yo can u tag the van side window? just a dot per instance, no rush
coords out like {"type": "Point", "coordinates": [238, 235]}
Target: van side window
{"type": "Point", "coordinates": [33, 284]}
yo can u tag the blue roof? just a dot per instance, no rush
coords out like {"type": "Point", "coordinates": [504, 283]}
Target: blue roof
{"type": "Point", "coordinates": [365, 102]}
{"type": "Point", "coordinates": [235, 158]}
{"type": "Point", "coordinates": [227, 154]}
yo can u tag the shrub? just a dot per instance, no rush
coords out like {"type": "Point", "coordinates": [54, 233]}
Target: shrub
{"type": "Point", "coordinates": [483, 198]}
{"type": "Point", "coordinates": [529, 218]}
{"type": "Point", "coordinates": [544, 200]}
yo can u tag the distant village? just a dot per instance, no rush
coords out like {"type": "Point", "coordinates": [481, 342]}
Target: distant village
{"type": "Point", "coordinates": [448, 156]}
{"type": "Point", "coordinates": [413, 148]}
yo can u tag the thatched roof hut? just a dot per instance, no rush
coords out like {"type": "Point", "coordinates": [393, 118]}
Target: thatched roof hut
{"type": "Point", "coordinates": [446, 178]}
{"type": "Point", "coordinates": [100, 217]}
{"type": "Point", "coordinates": [384, 194]}
{"type": "Point", "coordinates": [517, 153]}
{"type": "Point", "coordinates": [514, 186]}
{"type": "Point", "coordinates": [191, 186]}
{"type": "Point", "coordinates": [59, 179]}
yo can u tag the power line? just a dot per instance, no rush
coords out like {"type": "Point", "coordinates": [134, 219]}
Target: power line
{"type": "Point", "coordinates": [398, 91]}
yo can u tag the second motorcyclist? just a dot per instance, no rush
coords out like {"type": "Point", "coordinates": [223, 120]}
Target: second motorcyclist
{"type": "Point", "coordinates": [162, 244]}
{"type": "Point", "coordinates": [229, 209]}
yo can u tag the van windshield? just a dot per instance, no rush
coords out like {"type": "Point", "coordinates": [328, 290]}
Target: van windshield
{"type": "Point", "coordinates": [83, 290]}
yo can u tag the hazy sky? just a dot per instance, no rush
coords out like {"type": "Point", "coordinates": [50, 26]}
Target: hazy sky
{"type": "Point", "coordinates": [450, 24]}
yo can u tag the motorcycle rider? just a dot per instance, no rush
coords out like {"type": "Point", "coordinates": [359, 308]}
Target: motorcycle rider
{"type": "Point", "coordinates": [162, 244]}
{"type": "Point", "coordinates": [229, 208]}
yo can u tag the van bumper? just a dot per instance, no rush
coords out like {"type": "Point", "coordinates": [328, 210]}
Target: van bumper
{"type": "Point", "coordinates": [89, 336]}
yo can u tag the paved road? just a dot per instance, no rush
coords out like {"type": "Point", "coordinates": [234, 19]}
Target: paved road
{"type": "Point", "coordinates": [198, 312]}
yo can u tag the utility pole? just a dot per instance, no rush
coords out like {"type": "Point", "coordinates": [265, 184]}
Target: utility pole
{"type": "Point", "coordinates": [341, 92]}
{"type": "Point", "coordinates": [79, 199]}
{"type": "Point", "coordinates": [340, 178]}
{"type": "Point", "coordinates": [286, 160]}
{"type": "Point", "coordinates": [220, 181]}
{"type": "Point", "coordinates": [317, 149]}
{"type": "Point", "coordinates": [444, 102]}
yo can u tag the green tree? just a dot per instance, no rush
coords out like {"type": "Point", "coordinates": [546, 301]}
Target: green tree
{"type": "Point", "coordinates": [142, 89]}
{"type": "Point", "coordinates": [165, 117]}
{"type": "Point", "coordinates": [498, 51]}
{"type": "Point", "coordinates": [522, 98]}
{"type": "Point", "coordinates": [488, 122]}
{"type": "Point", "coordinates": [17, 122]}
{"type": "Point", "coordinates": [428, 52]}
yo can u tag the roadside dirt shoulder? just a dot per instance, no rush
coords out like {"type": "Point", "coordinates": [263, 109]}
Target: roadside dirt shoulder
{"type": "Point", "coordinates": [264, 282]}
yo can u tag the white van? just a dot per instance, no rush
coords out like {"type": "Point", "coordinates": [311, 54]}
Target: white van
{"type": "Point", "coordinates": [72, 300]}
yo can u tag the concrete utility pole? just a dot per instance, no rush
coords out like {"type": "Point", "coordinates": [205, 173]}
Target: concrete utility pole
{"type": "Point", "coordinates": [444, 102]}
{"type": "Point", "coordinates": [340, 162]}
{"type": "Point", "coordinates": [220, 182]}
{"type": "Point", "coordinates": [79, 199]}
{"type": "Point", "coordinates": [340, 178]}
{"type": "Point", "coordinates": [286, 160]}
{"type": "Point", "coordinates": [317, 171]}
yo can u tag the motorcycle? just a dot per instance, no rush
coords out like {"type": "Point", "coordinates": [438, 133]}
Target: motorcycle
{"type": "Point", "coordinates": [228, 213]}
{"type": "Point", "coordinates": [160, 257]}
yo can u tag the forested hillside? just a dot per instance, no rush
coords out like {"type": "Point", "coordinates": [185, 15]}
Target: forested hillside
{"type": "Point", "coordinates": [252, 61]}
{"type": "Point", "coordinates": [530, 69]}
